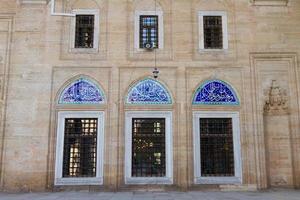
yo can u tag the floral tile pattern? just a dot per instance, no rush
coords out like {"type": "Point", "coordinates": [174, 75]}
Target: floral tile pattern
{"type": "Point", "coordinates": [82, 91]}
{"type": "Point", "coordinates": [215, 92]}
{"type": "Point", "coordinates": [148, 91]}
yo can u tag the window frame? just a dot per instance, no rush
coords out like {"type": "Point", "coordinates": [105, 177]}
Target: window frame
{"type": "Point", "coordinates": [149, 28]}
{"type": "Point", "coordinates": [98, 179]}
{"type": "Point", "coordinates": [168, 179]}
{"type": "Point", "coordinates": [237, 178]}
{"type": "Point", "coordinates": [96, 14]}
{"type": "Point", "coordinates": [223, 14]}
{"type": "Point", "coordinates": [137, 29]}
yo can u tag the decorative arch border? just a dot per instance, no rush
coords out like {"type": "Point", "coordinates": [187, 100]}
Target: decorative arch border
{"type": "Point", "coordinates": [89, 93]}
{"type": "Point", "coordinates": [161, 95]}
{"type": "Point", "coordinates": [232, 98]}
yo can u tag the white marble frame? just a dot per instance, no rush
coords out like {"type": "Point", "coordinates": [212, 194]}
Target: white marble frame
{"type": "Point", "coordinates": [223, 14]}
{"type": "Point", "coordinates": [198, 179]}
{"type": "Point", "coordinates": [137, 28]}
{"type": "Point", "coordinates": [98, 180]}
{"type": "Point", "coordinates": [96, 39]}
{"type": "Point", "coordinates": [168, 179]}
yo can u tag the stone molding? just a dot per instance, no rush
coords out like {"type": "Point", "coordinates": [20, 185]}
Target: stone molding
{"type": "Point", "coordinates": [259, 69]}
{"type": "Point", "coordinates": [33, 1]}
{"type": "Point", "coordinates": [269, 2]}
{"type": "Point", "coordinates": [276, 102]}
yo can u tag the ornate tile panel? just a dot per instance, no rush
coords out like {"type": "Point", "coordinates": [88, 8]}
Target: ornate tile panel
{"type": "Point", "coordinates": [82, 91]}
{"type": "Point", "coordinates": [215, 92]}
{"type": "Point", "coordinates": [148, 91]}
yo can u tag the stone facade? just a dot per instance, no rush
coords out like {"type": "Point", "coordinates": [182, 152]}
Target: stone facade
{"type": "Point", "coordinates": [36, 63]}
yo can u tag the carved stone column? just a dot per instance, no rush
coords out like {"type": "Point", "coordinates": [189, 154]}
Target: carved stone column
{"type": "Point", "coordinates": [277, 138]}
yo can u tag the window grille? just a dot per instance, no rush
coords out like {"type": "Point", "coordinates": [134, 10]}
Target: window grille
{"type": "Point", "coordinates": [84, 33]}
{"type": "Point", "coordinates": [213, 33]}
{"type": "Point", "coordinates": [148, 147]}
{"type": "Point", "coordinates": [80, 147]}
{"type": "Point", "coordinates": [216, 147]}
{"type": "Point", "coordinates": [149, 30]}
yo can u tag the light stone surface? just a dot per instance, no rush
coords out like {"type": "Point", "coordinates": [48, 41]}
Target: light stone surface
{"type": "Point", "coordinates": [35, 64]}
{"type": "Point", "coordinates": [209, 195]}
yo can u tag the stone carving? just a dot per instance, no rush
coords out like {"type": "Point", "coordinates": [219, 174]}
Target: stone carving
{"type": "Point", "coordinates": [277, 99]}
{"type": "Point", "coordinates": [148, 91]}
{"type": "Point", "coordinates": [215, 92]}
{"type": "Point", "coordinates": [82, 91]}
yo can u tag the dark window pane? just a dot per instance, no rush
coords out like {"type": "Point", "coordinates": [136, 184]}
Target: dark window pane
{"type": "Point", "coordinates": [80, 147]}
{"type": "Point", "coordinates": [216, 147]}
{"type": "Point", "coordinates": [84, 35]}
{"type": "Point", "coordinates": [149, 30]}
{"type": "Point", "coordinates": [148, 147]}
{"type": "Point", "coordinates": [213, 34]}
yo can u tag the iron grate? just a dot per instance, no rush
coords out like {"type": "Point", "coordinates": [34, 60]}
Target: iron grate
{"type": "Point", "coordinates": [80, 147]}
{"type": "Point", "coordinates": [149, 30]}
{"type": "Point", "coordinates": [84, 34]}
{"type": "Point", "coordinates": [148, 147]}
{"type": "Point", "coordinates": [216, 147]}
{"type": "Point", "coordinates": [213, 33]}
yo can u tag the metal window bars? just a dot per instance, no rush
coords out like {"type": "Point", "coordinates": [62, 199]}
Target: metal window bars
{"type": "Point", "coordinates": [84, 31]}
{"type": "Point", "coordinates": [216, 147]}
{"type": "Point", "coordinates": [80, 147]}
{"type": "Point", "coordinates": [213, 32]}
{"type": "Point", "coordinates": [148, 147]}
{"type": "Point", "coordinates": [149, 31]}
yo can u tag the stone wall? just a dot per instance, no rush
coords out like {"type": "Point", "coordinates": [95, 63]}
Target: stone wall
{"type": "Point", "coordinates": [35, 63]}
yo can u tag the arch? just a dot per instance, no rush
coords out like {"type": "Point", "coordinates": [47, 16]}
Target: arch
{"type": "Point", "coordinates": [82, 90]}
{"type": "Point", "coordinates": [148, 91]}
{"type": "Point", "coordinates": [215, 92]}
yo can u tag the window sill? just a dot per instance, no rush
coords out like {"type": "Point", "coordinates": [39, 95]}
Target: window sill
{"type": "Point", "coordinates": [212, 50]}
{"type": "Point", "coordinates": [147, 50]}
{"type": "Point", "coordinates": [79, 181]}
{"type": "Point", "coordinates": [84, 50]}
{"type": "Point", "coordinates": [150, 180]}
{"type": "Point", "coordinates": [218, 180]}
{"type": "Point", "coordinates": [270, 2]}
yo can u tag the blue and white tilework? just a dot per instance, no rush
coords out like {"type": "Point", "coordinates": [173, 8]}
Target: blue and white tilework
{"type": "Point", "coordinates": [215, 92]}
{"type": "Point", "coordinates": [148, 91]}
{"type": "Point", "coordinates": [82, 91]}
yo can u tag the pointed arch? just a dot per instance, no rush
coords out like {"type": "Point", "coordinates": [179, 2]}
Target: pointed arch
{"type": "Point", "coordinates": [148, 91]}
{"type": "Point", "coordinates": [215, 92]}
{"type": "Point", "coordinates": [82, 90]}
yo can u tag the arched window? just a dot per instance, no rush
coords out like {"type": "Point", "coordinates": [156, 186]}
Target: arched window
{"type": "Point", "coordinates": [217, 156]}
{"type": "Point", "coordinates": [80, 134]}
{"type": "Point", "coordinates": [148, 91]}
{"type": "Point", "coordinates": [148, 135]}
{"type": "Point", "coordinates": [215, 92]}
{"type": "Point", "coordinates": [82, 91]}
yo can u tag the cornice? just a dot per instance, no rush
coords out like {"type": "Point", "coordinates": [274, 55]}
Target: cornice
{"type": "Point", "coordinates": [33, 1]}
{"type": "Point", "coordinates": [269, 2]}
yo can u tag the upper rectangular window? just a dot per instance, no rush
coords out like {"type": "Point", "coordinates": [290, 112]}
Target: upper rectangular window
{"type": "Point", "coordinates": [213, 30]}
{"type": "Point", "coordinates": [213, 34]}
{"type": "Point", "coordinates": [149, 31]}
{"type": "Point", "coordinates": [84, 33]}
